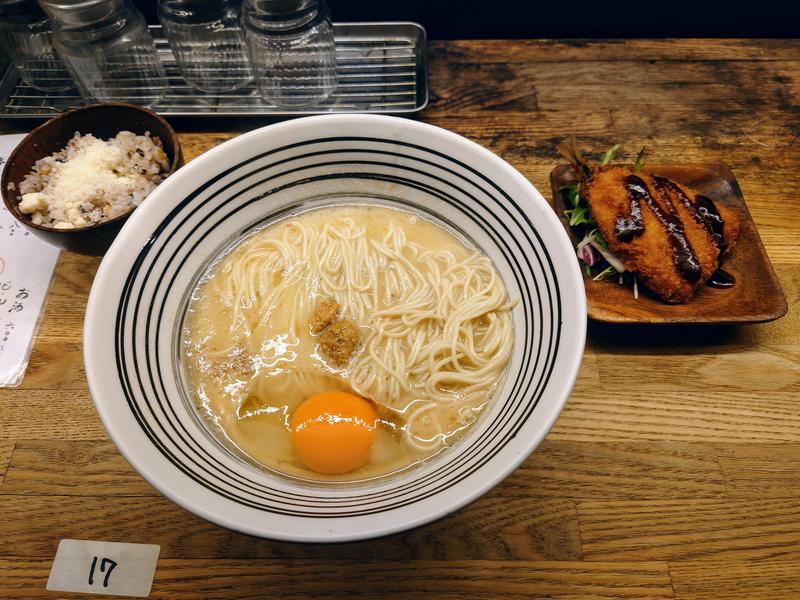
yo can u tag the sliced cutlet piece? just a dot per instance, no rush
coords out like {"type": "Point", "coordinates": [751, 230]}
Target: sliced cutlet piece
{"type": "Point", "coordinates": [660, 230]}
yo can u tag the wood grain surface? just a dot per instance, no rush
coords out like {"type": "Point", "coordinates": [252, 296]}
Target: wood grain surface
{"type": "Point", "coordinates": [674, 470]}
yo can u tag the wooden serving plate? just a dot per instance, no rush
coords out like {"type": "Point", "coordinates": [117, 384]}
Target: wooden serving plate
{"type": "Point", "coordinates": [757, 295]}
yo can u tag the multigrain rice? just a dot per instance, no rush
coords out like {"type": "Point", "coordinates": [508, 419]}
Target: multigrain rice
{"type": "Point", "coordinates": [92, 180]}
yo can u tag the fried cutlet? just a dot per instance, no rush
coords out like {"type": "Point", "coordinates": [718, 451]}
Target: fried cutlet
{"type": "Point", "coordinates": [671, 236]}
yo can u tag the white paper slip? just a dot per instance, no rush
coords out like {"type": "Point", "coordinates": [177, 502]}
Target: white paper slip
{"type": "Point", "coordinates": [108, 568]}
{"type": "Point", "coordinates": [26, 269]}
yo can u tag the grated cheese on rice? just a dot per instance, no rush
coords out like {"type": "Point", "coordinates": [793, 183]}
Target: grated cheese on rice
{"type": "Point", "coordinates": [92, 180]}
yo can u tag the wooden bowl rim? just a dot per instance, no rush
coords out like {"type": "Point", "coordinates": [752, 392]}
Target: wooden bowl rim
{"type": "Point", "coordinates": [12, 199]}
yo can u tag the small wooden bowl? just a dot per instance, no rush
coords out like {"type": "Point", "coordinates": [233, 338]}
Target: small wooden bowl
{"type": "Point", "coordinates": [103, 121]}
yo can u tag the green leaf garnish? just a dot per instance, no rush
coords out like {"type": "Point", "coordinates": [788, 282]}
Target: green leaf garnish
{"type": "Point", "coordinates": [572, 194]}
{"type": "Point", "coordinates": [640, 159]}
{"type": "Point", "coordinates": [599, 238]}
{"type": "Point", "coordinates": [579, 213]}
{"type": "Point", "coordinates": [608, 155]}
{"type": "Point", "coordinates": [575, 196]}
{"type": "Point", "coordinates": [604, 273]}
{"type": "Point", "coordinates": [579, 216]}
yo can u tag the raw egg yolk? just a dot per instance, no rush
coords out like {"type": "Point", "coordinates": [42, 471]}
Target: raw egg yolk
{"type": "Point", "coordinates": [333, 432]}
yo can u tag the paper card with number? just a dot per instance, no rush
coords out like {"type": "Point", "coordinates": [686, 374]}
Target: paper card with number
{"type": "Point", "coordinates": [110, 568]}
{"type": "Point", "coordinates": [26, 269]}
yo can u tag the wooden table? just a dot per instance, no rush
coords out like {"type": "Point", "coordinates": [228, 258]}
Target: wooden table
{"type": "Point", "coordinates": [673, 472]}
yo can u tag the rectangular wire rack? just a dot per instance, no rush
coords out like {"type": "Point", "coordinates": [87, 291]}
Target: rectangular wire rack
{"type": "Point", "coordinates": [382, 69]}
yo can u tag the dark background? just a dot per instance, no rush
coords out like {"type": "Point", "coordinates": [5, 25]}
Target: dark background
{"type": "Point", "coordinates": [454, 19]}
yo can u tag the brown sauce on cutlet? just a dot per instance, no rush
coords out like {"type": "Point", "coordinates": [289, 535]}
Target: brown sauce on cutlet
{"type": "Point", "coordinates": [702, 209]}
{"type": "Point", "coordinates": [713, 220]}
{"type": "Point", "coordinates": [627, 228]}
{"type": "Point", "coordinates": [721, 279]}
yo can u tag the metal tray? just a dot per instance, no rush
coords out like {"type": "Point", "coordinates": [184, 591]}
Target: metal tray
{"type": "Point", "coordinates": [382, 69]}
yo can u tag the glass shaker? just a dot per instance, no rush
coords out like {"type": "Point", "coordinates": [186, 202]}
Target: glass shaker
{"type": "Point", "coordinates": [207, 41]}
{"type": "Point", "coordinates": [108, 49]}
{"type": "Point", "coordinates": [27, 39]}
{"type": "Point", "coordinates": [291, 48]}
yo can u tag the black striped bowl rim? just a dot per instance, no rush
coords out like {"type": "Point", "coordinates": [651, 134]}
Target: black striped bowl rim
{"type": "Point", "coordinates": [138, 299]}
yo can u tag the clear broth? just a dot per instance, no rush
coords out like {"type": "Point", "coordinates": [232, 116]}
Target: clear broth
{"type": "Point", "coordinates": [247, 396]}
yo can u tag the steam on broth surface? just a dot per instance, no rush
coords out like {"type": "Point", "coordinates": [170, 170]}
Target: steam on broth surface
{"type": "Point", "coordinates": [383, 330]}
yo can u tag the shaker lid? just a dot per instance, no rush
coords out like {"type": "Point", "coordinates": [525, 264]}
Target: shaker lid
{"type": "Point", "coordinates": [72, 13]}
{"type": "Point", "coordinates": [281, 15]}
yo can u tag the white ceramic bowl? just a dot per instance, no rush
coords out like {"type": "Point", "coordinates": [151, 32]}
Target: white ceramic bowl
{"type": "Point", "coordinates": [139, 296]}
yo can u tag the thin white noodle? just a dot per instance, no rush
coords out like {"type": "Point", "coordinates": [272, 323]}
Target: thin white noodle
{"type": "Point", "coordinates": [438, 326]}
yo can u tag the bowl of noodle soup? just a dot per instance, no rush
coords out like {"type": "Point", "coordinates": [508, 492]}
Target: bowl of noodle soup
{"type": "Point", "coordinates": [335, 328]}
